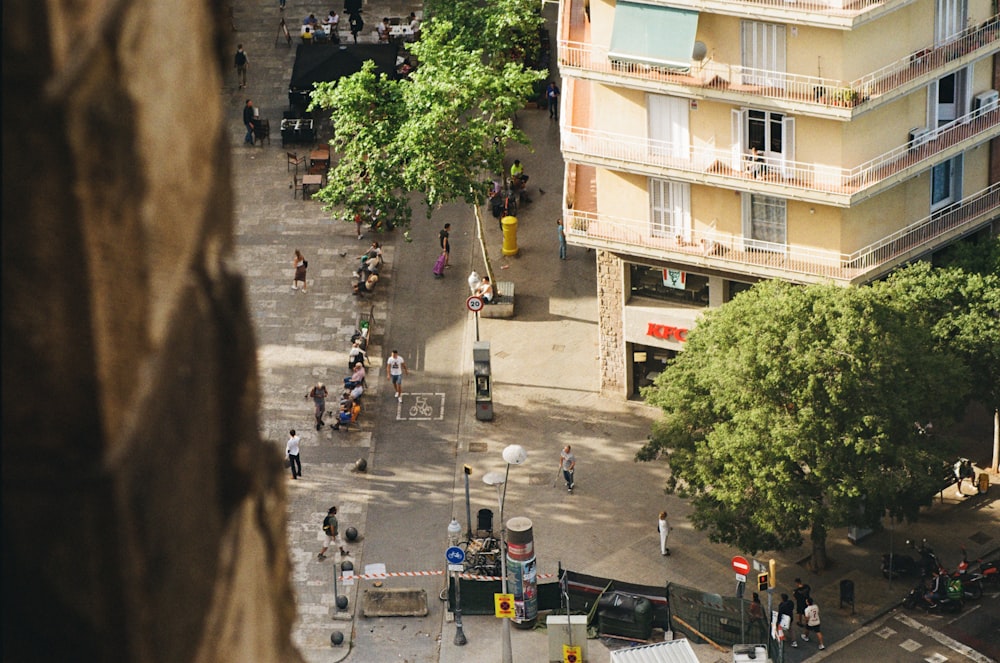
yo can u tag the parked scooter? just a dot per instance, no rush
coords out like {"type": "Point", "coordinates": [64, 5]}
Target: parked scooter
{"type": "Point", "coordinates": [897, 565]}
{"type": "Point", "coordinates": [972, 581]}
{"type": "Point", "coordinates": [989, 572]}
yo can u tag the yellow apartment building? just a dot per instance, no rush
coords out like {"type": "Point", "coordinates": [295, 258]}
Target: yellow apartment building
{"type": "Point", "coordinates": [710, 144]}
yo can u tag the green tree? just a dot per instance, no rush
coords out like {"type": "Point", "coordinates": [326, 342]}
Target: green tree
{"type": "Point", "coordinates": [369, 111]}
{"type": "Point", "coordinates": [792, 409]}
{"type": "Point", "coordinates": [444, 131]}
{"type": "Point", "coordinates": [960, 304]}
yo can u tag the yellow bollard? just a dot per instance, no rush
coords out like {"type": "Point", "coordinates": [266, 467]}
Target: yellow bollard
{"type": "Point", "coordinates": [509, 224]}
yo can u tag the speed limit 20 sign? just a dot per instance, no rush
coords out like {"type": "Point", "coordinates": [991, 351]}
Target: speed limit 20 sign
{"type": "Point", "coordinates": [474, 303]}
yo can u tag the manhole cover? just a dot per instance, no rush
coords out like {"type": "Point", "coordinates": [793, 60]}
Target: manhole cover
{"type": "Point", "coordinates": [478, 447]}
{"type": "Point", "coordinates": [981, 538]}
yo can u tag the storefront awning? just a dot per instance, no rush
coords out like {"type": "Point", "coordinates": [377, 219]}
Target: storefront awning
{"type": "Point", "coordinates": [648, 34]}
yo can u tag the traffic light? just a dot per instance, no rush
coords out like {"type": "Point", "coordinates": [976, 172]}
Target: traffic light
{"type": "Point", "coordinates": [762, 582]}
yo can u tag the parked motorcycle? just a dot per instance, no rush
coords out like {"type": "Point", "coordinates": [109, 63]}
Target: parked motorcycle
{"type": "Point", "coordinates": [971, 580]}
{"type": "Point", "coordinates": [896, 565]}
{"type": "Point", "coordinates": [989, 571]}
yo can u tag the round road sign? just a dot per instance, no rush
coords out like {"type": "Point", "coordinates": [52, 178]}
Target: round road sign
{"type": "Point", "coordinates": [454, 555]}
{"type": "Point", "coordinates": [741, 565]}
{"type": "Point", "coordinates": [474, 303]}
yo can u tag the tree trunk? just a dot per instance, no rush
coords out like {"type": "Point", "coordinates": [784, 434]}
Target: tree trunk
{"type": "Point", "coordinates": [995, 465]}
{"type": "Point", "coordinates": [482, 242]}
{"type": "Point", "coordinates": [819, 561]}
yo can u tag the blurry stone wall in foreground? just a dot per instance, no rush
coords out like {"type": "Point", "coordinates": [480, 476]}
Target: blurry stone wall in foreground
{"type": "Point", "coordinates": [143, 519]}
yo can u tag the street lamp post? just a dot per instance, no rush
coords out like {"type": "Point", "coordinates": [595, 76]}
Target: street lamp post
{"type": "Point", "coordinates": [513, 454]}
{"type": "Point", "coordinates": [454, 529]}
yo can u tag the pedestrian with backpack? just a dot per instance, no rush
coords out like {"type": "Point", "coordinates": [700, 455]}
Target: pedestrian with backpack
{"type": "Point", "coordinates": [242, 63]}
{"type": "Point", "coordinates": [332, 531]}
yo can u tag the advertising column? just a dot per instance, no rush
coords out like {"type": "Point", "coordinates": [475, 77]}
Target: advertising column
{"type": "Point", "coordinates": [521, 574]}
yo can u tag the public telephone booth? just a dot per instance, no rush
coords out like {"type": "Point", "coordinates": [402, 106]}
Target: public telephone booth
{"type": "Point", "coordinates": [481, 373]}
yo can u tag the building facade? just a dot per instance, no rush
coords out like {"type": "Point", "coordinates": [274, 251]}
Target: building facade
{"type": "Point", "coordinates": [710, 144]}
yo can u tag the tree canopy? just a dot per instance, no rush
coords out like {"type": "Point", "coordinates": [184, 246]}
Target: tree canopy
{"type": "Point", "coordinates": [443, 131]}
{"type": "Point", "coordinates": [793, 408]}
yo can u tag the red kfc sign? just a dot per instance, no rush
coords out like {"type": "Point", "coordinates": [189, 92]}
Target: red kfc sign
{"type": "Point", "coordinates": [666, 332]}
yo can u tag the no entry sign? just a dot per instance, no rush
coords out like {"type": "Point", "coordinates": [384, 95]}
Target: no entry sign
{"type": "Point", "coordinates": [741, 565]}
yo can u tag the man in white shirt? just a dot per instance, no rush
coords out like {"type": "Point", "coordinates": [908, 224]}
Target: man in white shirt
{"type": "Point", "coordinates": [292, 451]}
{"type": "Point", "coordinates": [395, 367]}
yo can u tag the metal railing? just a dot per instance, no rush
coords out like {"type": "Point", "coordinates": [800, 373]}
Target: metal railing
{"type": "Point", "coordinates": [732, 162]}
{"type": "Point", "coordinates": [816, 90]}
{"type": "Point", "coordinates": [723, 248]}
{"type": "Point", "coordinates": [832, 8]}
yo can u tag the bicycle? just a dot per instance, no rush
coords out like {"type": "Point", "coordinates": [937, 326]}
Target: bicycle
{"type": "Point", "coordinates": [482, 556]}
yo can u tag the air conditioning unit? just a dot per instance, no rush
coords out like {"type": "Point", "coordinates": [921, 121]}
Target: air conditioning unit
{"type": "Point", "coordinates": [986, 101]}
{"type": "Point", "coordinates": [919, 136]}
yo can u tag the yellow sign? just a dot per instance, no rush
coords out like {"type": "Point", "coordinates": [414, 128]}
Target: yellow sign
{"type": "Point", "coordinates": [504, 605]}
{"type": "Point", "coordinates": [572, 654]}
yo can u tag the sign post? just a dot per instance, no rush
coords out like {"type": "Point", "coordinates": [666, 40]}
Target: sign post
{"type": "Point", "coordinates": [455, 556]}
{"type": "Point", "coordinates": [475, 304]}
{"type": "Point", "coordinates": [742, 567]}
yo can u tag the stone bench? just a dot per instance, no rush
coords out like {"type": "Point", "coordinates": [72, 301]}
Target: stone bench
{"type": "Point", "coordinates": [503, 307]}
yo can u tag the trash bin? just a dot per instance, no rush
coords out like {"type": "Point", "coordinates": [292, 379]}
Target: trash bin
{"type": "Point", "coordinates": [983, 483]}
{"type": "Point", "coordinates": [847, 593]}
{"type": "Point", "coordinates": [625, 615]}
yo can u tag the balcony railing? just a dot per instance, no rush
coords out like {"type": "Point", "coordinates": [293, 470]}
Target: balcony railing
{"type": "Point", "coordinates": [812, 90]}
{"type": "Point", "coordinates": [721, 249]}
{"type": "Point", "coordinates": [732, 163]}
{"type": "Point", "coordinates": [840, 8]}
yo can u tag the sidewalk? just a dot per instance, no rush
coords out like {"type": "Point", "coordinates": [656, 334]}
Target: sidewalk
{"type": "Point", "coordinates": [545, 396]}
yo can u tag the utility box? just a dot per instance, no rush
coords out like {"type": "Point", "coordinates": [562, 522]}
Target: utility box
{"type": "Point", "coordinates": [559, 628]}
{"type": "Point", "coordinates": [483, 384]}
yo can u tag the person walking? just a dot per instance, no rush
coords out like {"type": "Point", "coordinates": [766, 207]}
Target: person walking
{"type": "Point", "coordinates": [812, 622]}
{"type": "Point", "coordinates": [395, 368]}
{"type": "Point", "coordinates": [300, 264]}
{"type": "Point", "coordinates": [567, 463]}
{"type": "Point", "coordinates": [787, 609]}
{"type": "Point", "coordinates": [552, 98]}
{"type": "Point", "coordinates": [318, 394]}
{"type": "Point", "coordinates": [248, 121]}
{"type": "Point", "coordinates": [241, 62]}
{"type": "Point", "coordinates": [800, 594]}
{"type": "Point", "coordinates": [663, 527]}
{"type": "Point", "coordinates": [445, 241]}
{"type": "Point", "coordinates": [331, 528]}
{"type": "Point", "coordinates": [357, 24]}
{"type": "Point", "coordinates": [562, 239]}
{"type": "Point", "coordinates": [292, 451]}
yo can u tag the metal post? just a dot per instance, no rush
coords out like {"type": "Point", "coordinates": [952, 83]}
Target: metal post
{"type": "Point", "coordinates": [477, 325]}
{"type": "Point", "coordinates": [454, 529]}
{"type": "Point", "coordinates": [506, 648]}
{"type": "Point", "coordinates": [468, 506]}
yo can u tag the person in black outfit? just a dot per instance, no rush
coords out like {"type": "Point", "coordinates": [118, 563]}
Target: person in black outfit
{"type": "Point", "coordinates": [357, 24]}
{"type": "Point", "coordinates": [801, 593]}
{"type": "Point", "coordinates": [248, 122]}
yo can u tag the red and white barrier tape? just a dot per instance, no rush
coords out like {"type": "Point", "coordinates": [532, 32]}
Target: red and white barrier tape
{"type": "Point", "coordinates": [414, 574]}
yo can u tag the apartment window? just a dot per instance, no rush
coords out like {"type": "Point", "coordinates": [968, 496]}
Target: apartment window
{"type": "Point", "coordinates": [946, 183]}
{"type": "Point", "coordinates": [764, 222]}
{"type": "Point", "coordinates": [670, 209]}
{"type": "Point", "coordinates": [763, 47]}
{"type": "Point", "coordinates": [771, 134]}
{"type": "Point", "coordinates": [949, 18]}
